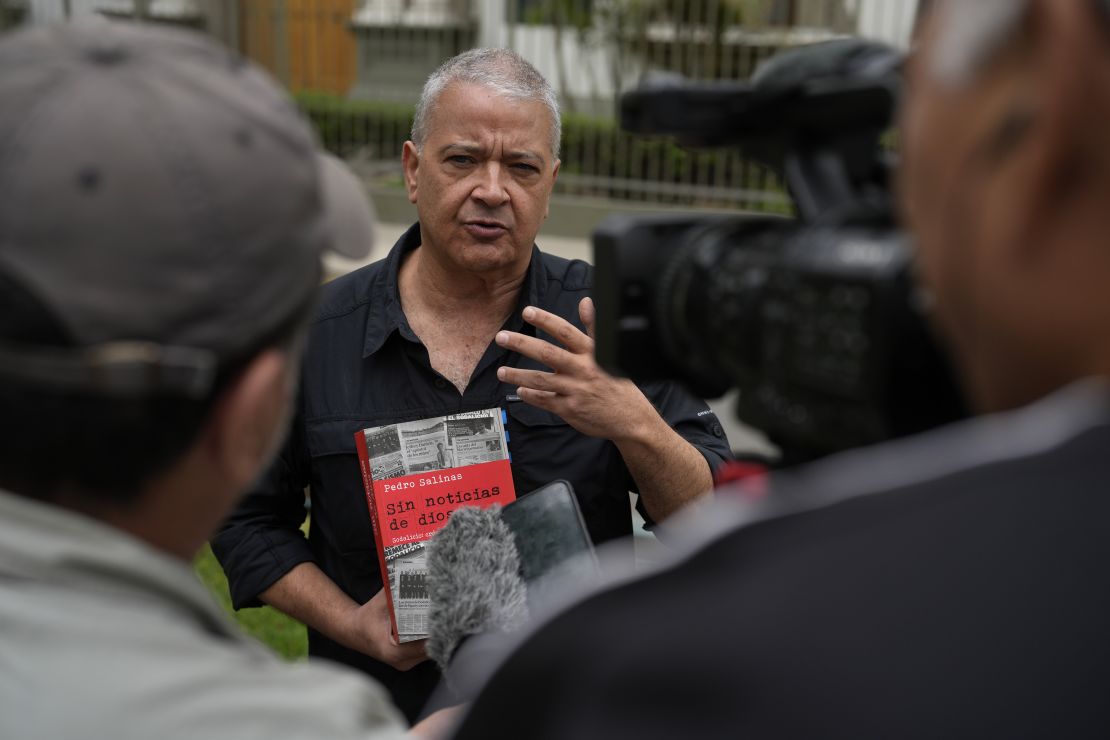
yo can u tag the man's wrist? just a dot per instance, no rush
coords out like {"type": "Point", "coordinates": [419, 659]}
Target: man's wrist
{"type": "Point", "coordinates": [642, 426]}
{"type": "Point", "coordinates": [350, 631]}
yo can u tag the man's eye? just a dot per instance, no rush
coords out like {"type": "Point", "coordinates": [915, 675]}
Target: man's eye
{"type": "Point", "coordinates": [461, 160]}
{"type": "Point", "coordinates": [525, 168]}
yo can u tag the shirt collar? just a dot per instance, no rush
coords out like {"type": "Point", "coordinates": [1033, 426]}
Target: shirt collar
{"type": "Point", "coordinates": [386, 316]}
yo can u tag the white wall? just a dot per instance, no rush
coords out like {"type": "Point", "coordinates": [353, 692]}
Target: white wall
{"type": "Point", "coordinates": [588, 68]}
{"type": "Point", "coordinates": [585, 68]}
{"type": "Point", "coordinates": [53, 10]}
{"type": "Point", "coordinates": [887, 20]}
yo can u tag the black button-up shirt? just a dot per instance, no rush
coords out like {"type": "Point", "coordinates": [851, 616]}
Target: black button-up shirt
{"type": "Point", "coordinates": [365, 367]}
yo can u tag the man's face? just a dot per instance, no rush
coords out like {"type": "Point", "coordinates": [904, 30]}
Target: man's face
{"type": "Point", "coordinates": [482, 179]}
{"type": "Point", "coordinates": [933, 145]}
{"type": "Point", "coordinates": [957, 203]}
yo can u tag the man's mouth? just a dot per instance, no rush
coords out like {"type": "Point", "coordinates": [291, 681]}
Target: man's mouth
{"type": "Point", "coordinates": [485, 229]}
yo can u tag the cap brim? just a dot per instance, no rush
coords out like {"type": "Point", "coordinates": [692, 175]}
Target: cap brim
{"type": "Point", "coordinates": [347, 208]}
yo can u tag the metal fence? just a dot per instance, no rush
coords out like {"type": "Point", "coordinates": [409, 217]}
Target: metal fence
{"type": "Point", "coordinates": [357, 67]}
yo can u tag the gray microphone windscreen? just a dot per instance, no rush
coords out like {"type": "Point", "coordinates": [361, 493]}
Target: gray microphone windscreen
{"type": "Point", "coordinates": [474, 581]}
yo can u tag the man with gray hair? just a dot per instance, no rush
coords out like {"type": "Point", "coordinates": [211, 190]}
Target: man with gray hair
{"type": "Point", "coordinates": [947, 586]}
{"type": "Point", "coordinates": [465, 313]}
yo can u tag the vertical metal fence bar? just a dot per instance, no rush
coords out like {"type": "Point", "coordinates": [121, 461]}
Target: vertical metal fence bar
{"type": "Point", "coordinates": [281, 40]}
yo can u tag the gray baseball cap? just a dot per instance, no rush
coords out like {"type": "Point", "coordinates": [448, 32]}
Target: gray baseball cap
{"type": "Point", "coordinates": [163, 200]}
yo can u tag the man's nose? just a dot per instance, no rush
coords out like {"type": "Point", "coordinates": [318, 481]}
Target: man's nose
{"type": "Point", "coordinates": [490, 188]}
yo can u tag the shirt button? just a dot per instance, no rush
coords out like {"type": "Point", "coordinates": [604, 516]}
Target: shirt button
{"type": "Point", "coordinates": [441, 383]}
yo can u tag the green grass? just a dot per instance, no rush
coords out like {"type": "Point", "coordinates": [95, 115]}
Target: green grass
{"type": "Point", "coordinates": [284, 634]}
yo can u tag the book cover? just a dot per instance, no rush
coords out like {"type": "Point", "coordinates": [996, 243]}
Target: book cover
{"type": "Point", "coordinates": [416, 473]}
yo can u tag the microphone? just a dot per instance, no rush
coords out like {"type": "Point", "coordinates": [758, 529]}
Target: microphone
{"type": "Point", "coordinates": [474, 581]}
{"type": "Point", "coordinates": [490, 570]}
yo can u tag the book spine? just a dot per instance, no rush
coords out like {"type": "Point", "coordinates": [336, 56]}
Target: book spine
{"type": "Point", "coordinates": [368, 485]}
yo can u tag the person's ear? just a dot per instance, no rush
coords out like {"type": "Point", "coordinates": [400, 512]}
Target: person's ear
{"type": "Point", "coordinates": [410, 161]}
{"type": "Point", "coordinates": [554, 177]}
{"type": "Point", "coordinates": [1042, 127]}
{"type": "Point", "coordinates": [251, 417]}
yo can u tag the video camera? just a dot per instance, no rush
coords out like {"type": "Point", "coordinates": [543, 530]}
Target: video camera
{"type": "Point", "coordinates": [817, 321]}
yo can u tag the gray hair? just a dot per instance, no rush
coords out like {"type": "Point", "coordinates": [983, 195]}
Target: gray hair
{"type": "Point", "coordinates": [972, 30]}
{"type": "Point", "coordinates": [502, 71]}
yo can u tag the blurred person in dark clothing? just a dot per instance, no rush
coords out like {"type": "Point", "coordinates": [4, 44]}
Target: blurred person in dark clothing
{"type": "Point", "coordinates": [949, 585]}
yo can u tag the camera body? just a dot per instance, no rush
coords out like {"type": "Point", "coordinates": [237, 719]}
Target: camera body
{"type": "Point", "coordinates": [817, 321]}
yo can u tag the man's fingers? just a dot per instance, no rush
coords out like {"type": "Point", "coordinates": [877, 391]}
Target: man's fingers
{"type": "Point", "coordinates": [541, 399]}
{"type": "Point", "coordinates": [588, 313]}
{"type": "Point", "coordinates": [556, 358]}
{"type": "Point", "coordinates": [569, 335]}
{"type": "Point", "coordinates": [402, 656]}
{"type": "Point", "coordinates": [532, 379]}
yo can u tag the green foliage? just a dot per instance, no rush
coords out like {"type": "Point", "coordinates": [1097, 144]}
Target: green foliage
{"type": "Point", "coordinates": [376, 128]}
{"type": "Point", "coordinates": [566, 13]}
{"type": "Point", "coordinates": [284, 634]}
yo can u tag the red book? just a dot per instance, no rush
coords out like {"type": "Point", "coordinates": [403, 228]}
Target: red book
{"type": "Point", "coordinates": [415, 474]}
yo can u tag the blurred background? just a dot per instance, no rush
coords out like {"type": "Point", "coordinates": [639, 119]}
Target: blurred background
{"type": "Point", "coordinates": [356, 68]}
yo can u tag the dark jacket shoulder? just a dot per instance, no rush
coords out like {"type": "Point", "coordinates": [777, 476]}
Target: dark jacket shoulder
{"type": "Point", "coordinates": [351, 292]}
{"type": "Point", "coordinates": [570, 275]}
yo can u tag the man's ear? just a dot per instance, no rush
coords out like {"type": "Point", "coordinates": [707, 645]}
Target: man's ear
{"type": "Point", "coordinates": [554, 177]}
{"type": "Point", "coordinates": [250, 418]}
{"type": "Point", "coordinates": [410, 161]}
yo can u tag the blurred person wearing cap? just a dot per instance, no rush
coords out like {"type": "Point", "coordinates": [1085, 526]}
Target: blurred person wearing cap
{"type": "Point", "coordinates": [952, 585]}
{"type": "Point", "coordinates": [163, 215]}
{"type": "Point", "coordinates": [465, 313]}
